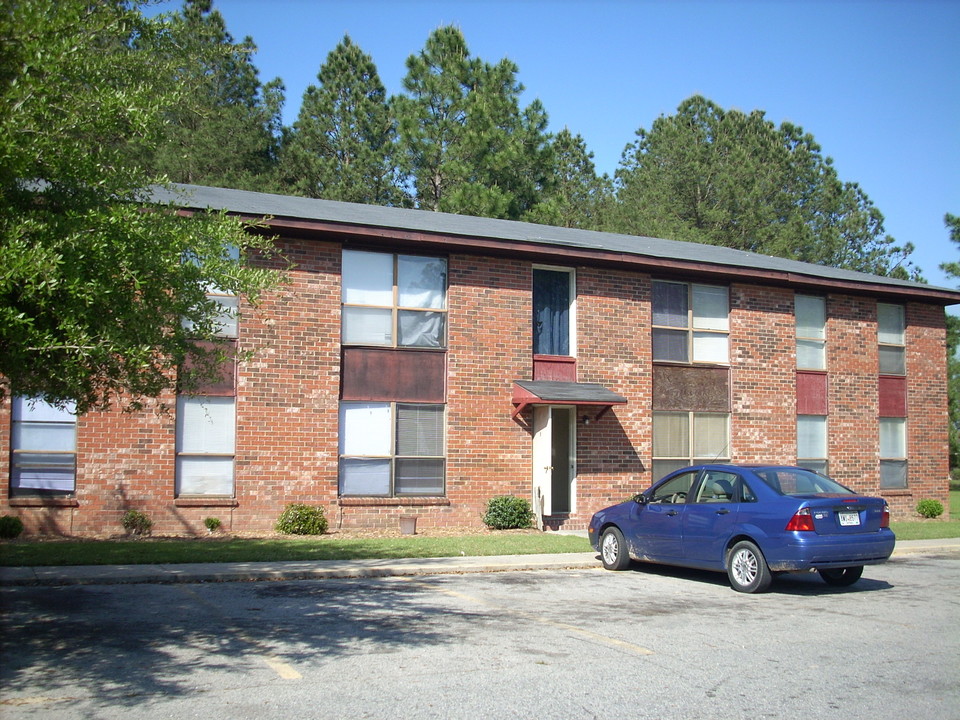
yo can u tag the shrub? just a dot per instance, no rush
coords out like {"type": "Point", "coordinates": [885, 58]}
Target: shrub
{"type": "Point", "coordinates": [930, 508]}
{"type": "Point", "coordinates": [136, 522]}
{"type": "Point", "coordinates": [10, 527]}
{"type": "Point", "coordinates": [300, 519]}
{"type": "Point", "coordinates": [212, 523]}
{"type": "Point", "coordinates": [508, 512]}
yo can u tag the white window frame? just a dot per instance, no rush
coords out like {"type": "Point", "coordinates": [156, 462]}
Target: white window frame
{"type": "Point", "coordinates": [893, 453]}
{"type": "Point", "coordinates": [363, 447]}
{"type": "Point", "coordinates": [43, 438]}
{"type": "Point", "coordinates": [811, 344]}
{"type": "Point", "coordinates": [198, 445]}
{"type": "Point", "coordinates": [228, 316]}
{"type": "Point", "coordinates": [702, 331]}
{"type": "Point", "coordinates": [688, 422]}
{"type": "Point", "coordinates": [818, 462]}
{"type": "Point", "coordinates": [572, 315]}
{"type": "Point", "coordinates": [893, 341]}
{"type": "Point", "coordinates": [391, 309]}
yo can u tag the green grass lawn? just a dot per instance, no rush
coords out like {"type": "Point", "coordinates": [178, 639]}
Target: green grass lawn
{"type": "Point", "coordinates": [325, 547]}
{"type": "Point", "coordinates": [932, 529]}
{"type": "Point", "coordinates": [338, 547]}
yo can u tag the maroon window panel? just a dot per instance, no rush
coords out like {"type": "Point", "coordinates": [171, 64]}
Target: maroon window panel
{"type": "Point", "coordinates": [394, 375]}
{"type": "Point", "coordinates": [224, 384]}
{"type": "Point", "coordinates": [811, 393]}
{"type": "Point", "coordinates": [893, 396]}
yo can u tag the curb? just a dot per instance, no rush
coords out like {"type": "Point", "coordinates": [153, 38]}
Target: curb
{"type": "Point", "coordinates": [344, 569]}
{"type": "Point", "coordinates": [267, 571]}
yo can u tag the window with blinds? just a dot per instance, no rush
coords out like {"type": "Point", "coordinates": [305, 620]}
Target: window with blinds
{"type": "Point", "coordinates": [43, 448]}
{"type": "Point", "coordinates": [690, 323]}
{"type": "Point", "coordinates": [206, 445]}
{"type": "Point", "coordinates": [392, 449]}
{"type": "Point", "coordinates": [811, 322]}
{"type": "Point", "coordinates": [393, 300]}
{"type": "Point", "coordinates": [689, 438]}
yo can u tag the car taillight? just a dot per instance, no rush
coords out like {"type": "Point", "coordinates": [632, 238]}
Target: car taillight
{"type": "Point", "coordinates": [885, 517]}
{"type": "Point", "coordinates": [802, 521]}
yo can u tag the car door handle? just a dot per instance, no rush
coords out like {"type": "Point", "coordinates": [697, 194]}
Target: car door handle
{"type": "Point", "coordinates": [723, 511]}
{"type": "Point", "coordinates": [672, 512]}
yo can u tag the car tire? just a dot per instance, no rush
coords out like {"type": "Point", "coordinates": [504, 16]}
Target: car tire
{"type": "Point", "coordinates": [613, 550]}
{"type": "Point", "coordinates": [747, 568]}
{"type": "Point", "coordinates": [841, 577]}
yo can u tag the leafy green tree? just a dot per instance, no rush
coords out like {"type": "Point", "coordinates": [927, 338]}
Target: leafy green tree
{"type": "Point", "coordinates": [466, 144]}
{"type": "Point", "coordinates": [343, 144]}
{"type": "Point", "coordinates": [952, 269]}
{"type": "Point", "coordinates": [227, 133]}
{"type": "Point", "coordinates": [724, 177]}
{"type": "Point", "coordinates": [94, 290]}
{"type": "Point", "coordinates": [578, 197]}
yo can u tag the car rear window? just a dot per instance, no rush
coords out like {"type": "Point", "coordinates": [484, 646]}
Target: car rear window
{"type": "Point", "coordinates": [794, 481]}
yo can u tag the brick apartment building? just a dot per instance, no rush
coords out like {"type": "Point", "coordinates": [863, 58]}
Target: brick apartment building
{"type": "Point", "coordinates": [418, 364]}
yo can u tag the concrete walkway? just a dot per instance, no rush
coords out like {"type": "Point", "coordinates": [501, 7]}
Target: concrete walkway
{"type": "Point", "coordinates": [250, 571]}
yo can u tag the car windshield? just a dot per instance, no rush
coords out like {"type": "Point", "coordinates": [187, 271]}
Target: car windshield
{"type": "Point", "coordinates": [796, 481]}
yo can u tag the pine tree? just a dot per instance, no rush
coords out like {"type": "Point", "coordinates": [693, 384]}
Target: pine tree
{"type": "Point", "coordinates": [342, 146]}
{"type": "Point", "coordinates": [729, 178]}
{"type": "Point", "coordinates": [578, 198]}
{"type": "Point", "coordinates": [227, 133]}
{"type": "Point", "coordinates": [466, 144]}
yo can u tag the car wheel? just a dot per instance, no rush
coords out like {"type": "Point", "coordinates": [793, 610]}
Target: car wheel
{"type": "Point", "coordinates": [842, 577]}
{"type": "Point", "coordinates": [613, 550]}
{"type": "Point", "coordinates": [747, 569]}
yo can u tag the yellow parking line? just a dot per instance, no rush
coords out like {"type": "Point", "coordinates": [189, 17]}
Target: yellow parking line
{"type": "Point", "coordinates": [284, 670]}
{"type": "Point", "coordinates": [606, 640]}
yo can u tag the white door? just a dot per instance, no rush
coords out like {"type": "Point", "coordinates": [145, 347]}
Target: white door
{"type": "Point", "coordinates": [554, 459]}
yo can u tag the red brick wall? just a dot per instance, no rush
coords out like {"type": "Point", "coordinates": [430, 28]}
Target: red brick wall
{"type": "Point", "coordinates": [613, 349]}
{"type": "Point", "coordinates": [288, 399]}
{"type": "Point", "coordinates": [763, 423]}
{"type": "Point", "coordinates": [928, 468]}
{"type": "Point", "coordinates": [853, 435]}
{"type": "Point", "coordinates": [288, 394]}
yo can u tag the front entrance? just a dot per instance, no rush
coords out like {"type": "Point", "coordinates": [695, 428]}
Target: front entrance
{"type": "Point", "coordinates": [554, 460]}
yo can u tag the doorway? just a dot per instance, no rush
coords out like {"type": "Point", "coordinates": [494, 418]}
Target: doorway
{"type": "Point", "coordinates": [554, 460]}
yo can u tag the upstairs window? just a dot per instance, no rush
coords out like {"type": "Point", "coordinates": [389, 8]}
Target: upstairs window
{"type": "Point", "coordinates": [43, 448]}
{"type": "Point", "coordinates": [690, 323]}
{"type": "Point", "coordinates": [811, 322]}
{"type": "Point", "coordinates": [553, 292]}
{"type": "Point", "coordinates": [393, 300]}
{"type": "Point", "coordinates": [226, 321]}
{"type": "Point", "coordinates": [891, 335]}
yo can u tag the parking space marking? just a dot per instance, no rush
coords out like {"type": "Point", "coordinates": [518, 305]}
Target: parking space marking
{"type": "Point", "coordinates": [284, 670]}
{"type": "Point", "coordinates": [281, 668]}
{"type": "Point", "coordinates": [597, 637]}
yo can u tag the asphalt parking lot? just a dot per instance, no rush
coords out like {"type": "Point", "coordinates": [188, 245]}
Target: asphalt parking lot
{"type": "Point", "coordinates": [576, 643]}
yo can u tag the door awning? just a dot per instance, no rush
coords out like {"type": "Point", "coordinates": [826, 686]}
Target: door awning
{"type": "Point", "coordinates": [551, 392]}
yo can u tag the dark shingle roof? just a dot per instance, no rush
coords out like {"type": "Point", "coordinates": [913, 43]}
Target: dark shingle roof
{"type": "Point", "coordinates": [722, 259]}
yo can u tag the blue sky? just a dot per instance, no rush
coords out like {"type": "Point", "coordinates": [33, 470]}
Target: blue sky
{"type": "Point", "coordinates": [876, 82]}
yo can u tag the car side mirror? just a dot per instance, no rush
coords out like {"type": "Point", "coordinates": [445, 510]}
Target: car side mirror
{"type": "Point", "coordinates": [640, 499]}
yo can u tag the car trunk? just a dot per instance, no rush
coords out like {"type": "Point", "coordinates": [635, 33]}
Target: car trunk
{"type": "Point", "coordinates": [845, 515]}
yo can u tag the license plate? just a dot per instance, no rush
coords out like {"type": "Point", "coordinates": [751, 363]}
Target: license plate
{"type": "Point", "coordinates": [848, 519]}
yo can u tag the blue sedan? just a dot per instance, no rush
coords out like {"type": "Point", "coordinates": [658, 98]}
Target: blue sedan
{"type": "Point", "coordinates": [750, 522]}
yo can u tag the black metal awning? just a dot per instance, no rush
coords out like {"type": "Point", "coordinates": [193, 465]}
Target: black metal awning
{"type": "Point", "coordinates": [553, 392]}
